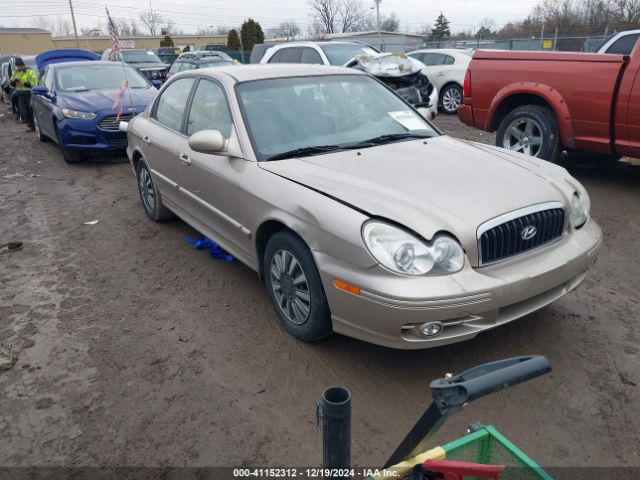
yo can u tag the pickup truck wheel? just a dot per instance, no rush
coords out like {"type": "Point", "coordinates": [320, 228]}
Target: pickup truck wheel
{"type": "Point", "coordinates": [532, 130]}
{"type": "Point", "coordinates": [294, 286]}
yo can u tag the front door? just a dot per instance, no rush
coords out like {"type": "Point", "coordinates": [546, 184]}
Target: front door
{"type": "Point", "coordinates": [214, 183]}
{"type": "Point", "coordinates": [163, 137]}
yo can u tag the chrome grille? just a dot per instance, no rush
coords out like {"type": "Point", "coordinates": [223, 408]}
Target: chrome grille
{"type": "Point", "coordinates": [110, 123]}
{"type": "Point", "coordinates": [520, 232]}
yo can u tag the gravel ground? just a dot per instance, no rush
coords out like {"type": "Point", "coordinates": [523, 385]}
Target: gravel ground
{"type": "Point", "coordinates": [135, 349]}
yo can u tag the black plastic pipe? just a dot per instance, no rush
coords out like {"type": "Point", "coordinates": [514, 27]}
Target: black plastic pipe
{"type": "Point", "coordinates": [335, 410]}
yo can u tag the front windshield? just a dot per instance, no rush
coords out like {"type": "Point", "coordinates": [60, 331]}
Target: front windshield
{"type": "Point", "coordinates": [341, 53]}
{"type": "Point", "coordinates": [140, 56]}
{"type": "Point", "coordinates": [98, 77]}
{"type": "Point", "coordinates": [286, 114]}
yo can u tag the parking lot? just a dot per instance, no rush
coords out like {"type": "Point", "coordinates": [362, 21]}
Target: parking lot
{"type": "Point", "coordinates": [136, 349]}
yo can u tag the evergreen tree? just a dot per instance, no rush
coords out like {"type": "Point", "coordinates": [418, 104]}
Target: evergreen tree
{"type": "Point", "coordinates": [440, 30]}
{"type": "Point", "coordinates": [233, 40]}
{"type": "Point", "coordinates": [251, 33]}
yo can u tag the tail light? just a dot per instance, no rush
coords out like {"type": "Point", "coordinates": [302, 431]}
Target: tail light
{"type": "Point", "coordinates": [467, 83]}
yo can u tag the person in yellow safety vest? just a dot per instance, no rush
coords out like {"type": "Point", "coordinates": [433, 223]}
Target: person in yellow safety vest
{"type": "Point", "coordinates": [23, 79]}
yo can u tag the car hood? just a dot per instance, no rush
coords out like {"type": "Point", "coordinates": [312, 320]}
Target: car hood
{"type": "Point", "coordinates": [442, 184]}
{"type": "Point", "coordinates": [100, 100]}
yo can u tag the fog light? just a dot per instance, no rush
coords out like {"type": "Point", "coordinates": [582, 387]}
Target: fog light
{"type": "Point", "coordinates": [430, 329]}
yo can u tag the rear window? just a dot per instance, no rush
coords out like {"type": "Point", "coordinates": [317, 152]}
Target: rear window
{"type": "Point", "coordinates": [624, 45]}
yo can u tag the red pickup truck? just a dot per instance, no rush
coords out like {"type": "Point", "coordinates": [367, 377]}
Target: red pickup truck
{"type": "Point", "coordinates": [544, 103]}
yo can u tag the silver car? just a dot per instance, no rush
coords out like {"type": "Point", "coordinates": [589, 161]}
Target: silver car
{"type": "Point", "coordinates": [359, 216]}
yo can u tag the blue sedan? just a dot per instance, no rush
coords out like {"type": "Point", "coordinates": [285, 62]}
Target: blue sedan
{"type": "Point", "coordinates": [78, 105]}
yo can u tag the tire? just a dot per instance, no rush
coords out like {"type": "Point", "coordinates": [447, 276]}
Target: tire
{"type": "Point", "coordinates": [150, 196]}
{"type": "Point", "coordinates": [69, 156]}
{"type": "Point", "coordinates": [451, 98]}
{"type": "Point", "coordinates": [532, 130]}
{"type": "Point", "coordinates": [307, 320]}
{"type": "Point", "coordinates": [41, 137]}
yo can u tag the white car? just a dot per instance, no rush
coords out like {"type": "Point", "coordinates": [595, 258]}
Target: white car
{"type": "Point", "coordinates": [446, 69]}
{"type": "Point", "coordinates": [396, 70]}
{"type": "Point", "coordinates": [621, 44]}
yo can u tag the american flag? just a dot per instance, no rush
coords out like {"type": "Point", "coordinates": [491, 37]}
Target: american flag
{"type": "Point", "coordinates": [113, 33]}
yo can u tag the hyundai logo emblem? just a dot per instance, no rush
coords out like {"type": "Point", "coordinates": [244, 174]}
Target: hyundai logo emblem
{"type": "Point", "coordinates": [528, 232]}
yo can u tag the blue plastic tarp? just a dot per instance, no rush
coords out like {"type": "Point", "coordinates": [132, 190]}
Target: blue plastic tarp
{"type": "Point", "coordinates": [64, 55]}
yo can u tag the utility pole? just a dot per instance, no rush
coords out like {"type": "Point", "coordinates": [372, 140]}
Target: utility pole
{"type": "Point", "coordinates": [75, 29]}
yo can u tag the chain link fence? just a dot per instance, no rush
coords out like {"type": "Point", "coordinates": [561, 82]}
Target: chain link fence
{"type": "Point", "coordinates": [560, 44]}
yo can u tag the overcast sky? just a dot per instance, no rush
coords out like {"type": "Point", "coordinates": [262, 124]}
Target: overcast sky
{"type": "Point", "coordinates": [191, 14]}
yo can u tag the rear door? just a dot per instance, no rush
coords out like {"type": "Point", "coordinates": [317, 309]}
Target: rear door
{"type": "Point", "coordinates": [213, 183]}
{"type": "Point", "coordinates": [163, 138]}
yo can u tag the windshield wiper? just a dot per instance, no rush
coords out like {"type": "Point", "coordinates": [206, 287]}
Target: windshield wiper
{"type": "Point", "coordinates": [389, 138]}
{"type": "Point", "coordinates": [307, 151]}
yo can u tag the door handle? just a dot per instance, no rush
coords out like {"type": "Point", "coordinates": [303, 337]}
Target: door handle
{"type": "Point", "coordinates": [146, 139]}
{"type": "Point", "coordinates": [185, 160]}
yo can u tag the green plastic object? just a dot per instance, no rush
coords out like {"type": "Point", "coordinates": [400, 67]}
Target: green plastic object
{"type": "Point", "coordinates": [489, 447]}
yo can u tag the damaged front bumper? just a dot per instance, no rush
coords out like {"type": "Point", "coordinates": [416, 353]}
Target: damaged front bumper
{"type": "Point", "coordinates": [404, 75]}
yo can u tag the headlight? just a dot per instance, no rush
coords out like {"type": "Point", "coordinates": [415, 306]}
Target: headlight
{"type": "Point", "coordinates": [580, 209]}
{"type": "Point", "coordinates": [403, 253]}
{"type": "Point", "coordinates": [78, 115]}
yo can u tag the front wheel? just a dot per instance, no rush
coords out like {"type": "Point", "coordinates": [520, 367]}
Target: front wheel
{"type": "Point", "coordinates": [532, 130]}
{"type": "Point", "coordinates": [451, 98]}
{"type": "Point", "coordinates": [36, 124]}
{"type": "Point", "coordinates": [295, 288]}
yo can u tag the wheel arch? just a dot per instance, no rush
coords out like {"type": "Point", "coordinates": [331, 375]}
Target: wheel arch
{"type": "Point", "coordinates": [529, 93]}
{"type": "Point", "coordinates": [265, 231]}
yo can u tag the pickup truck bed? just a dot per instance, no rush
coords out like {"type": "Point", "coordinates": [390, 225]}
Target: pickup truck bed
{"type": "Point", "coordinates": [568, 101]}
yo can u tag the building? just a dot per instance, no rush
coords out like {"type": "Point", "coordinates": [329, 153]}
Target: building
{"type": "Point", "coordinates": [25, 41]}
{"type": "Point", "coordinates": [31, 41]}
{"type": "Point", "coordinates": [383, 41]}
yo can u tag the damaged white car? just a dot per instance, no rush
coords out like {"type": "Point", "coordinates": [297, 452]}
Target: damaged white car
{"type": "Point", "coordinates": [397, 70]}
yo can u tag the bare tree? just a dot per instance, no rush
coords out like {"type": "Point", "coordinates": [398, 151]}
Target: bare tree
{"type": "Point", "coordinates": [324, 14]}
{"type": "Point", "coordinates": [388, 23]}
{"type": "Point", "coordinates": [288, 29]}
{"type": "Point", "coordinates": [152, 21]}
{"type": "Point", "coordinates": [42, 22]}
{"type": "Point", "coordinates": [352, 14]}
{"type": "Point", "coordinates": [64, 28]}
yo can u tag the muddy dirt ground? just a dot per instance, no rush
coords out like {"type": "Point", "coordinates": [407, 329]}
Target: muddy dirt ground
{"type": "Point", "coordinates": [133, 348]}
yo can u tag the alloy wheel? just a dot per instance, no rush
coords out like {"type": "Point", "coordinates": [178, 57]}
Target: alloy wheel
{"type": "Point", "coordinates": [147, 193]}
{"type": "Point", "coordinates": [524, 135]}
{"type": "Point", "coordinates": [290, 287]}
{"type": "Point", "coordinates": [451, 99]}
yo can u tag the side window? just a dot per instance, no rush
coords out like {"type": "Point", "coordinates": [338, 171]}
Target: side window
{"type": "Point", "coordinates": [309, 55]}
{"type": "Point", "coordinates": [41, 76]}
{"type": "Point", "coordinates": [188, 66]}
{"type": "Point", "coordinates": [291, 55]}
{"type": "Point", "coordinates": [276, 56]}
{"type": "Point", "coordinates": [624, 45]}
{"type": "Point", "coordinates": [105, 55]}
{"type": "Point", "coordinates": [171, 104]}
{"type": "Point", "coordinates": [449, 60]}
{"type": "Point", "coordinates": [431, 59]}
{"type": "Point", "coordinates": [209, 110]}
{"type": "Point", "coordinates": [175, 68]}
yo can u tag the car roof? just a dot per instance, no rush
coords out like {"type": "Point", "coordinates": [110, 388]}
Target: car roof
{"type": "Point", "coordinates": [302, 44]}
{"type": "Point", "coordinates": [448, 51]}
{"type": "Point", "coordinates": [248, 73]}
{"type": "Point", "coordinates": [87, 63]}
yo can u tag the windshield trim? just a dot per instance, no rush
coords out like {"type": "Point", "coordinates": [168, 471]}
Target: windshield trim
{"type": "Point", "coordinates": [265, 158]}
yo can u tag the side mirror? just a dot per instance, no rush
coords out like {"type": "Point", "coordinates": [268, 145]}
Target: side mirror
{"type": "Point", "coordinates": [156, 83]}
{"type": "Point", "coordinates": [39, 90]}
{"type": "Point", "coordinates": [208, 141]}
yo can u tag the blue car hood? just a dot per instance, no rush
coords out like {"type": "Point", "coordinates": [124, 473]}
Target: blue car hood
{"type": "Point", "coordinates": [103, 100]}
